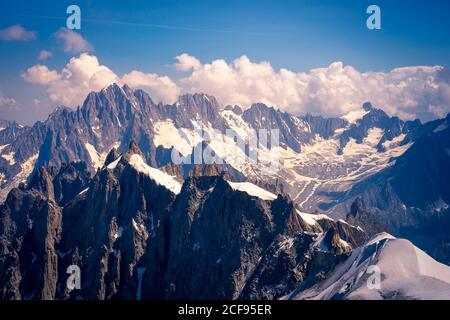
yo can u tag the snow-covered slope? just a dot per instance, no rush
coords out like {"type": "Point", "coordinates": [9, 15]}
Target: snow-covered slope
{"type": "Point", "coordinates": [354, 116]}
{"type": "Point", "coordinates": [252, 190]}
{"type": "Point", "coordinates": [312, 219]}
{"type": "Point", "coordinates": [157, 175]}
{"type": "Point", "coordinates": [406, 272]}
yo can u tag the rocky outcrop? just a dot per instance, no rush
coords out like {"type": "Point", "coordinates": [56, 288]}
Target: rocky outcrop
{"type": "Point", "coordinates": [361, 217]}
{"type": "Point", "coordinates": [30, 227]}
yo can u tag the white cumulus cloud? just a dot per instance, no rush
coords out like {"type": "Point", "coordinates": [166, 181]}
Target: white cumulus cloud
{"type": "Point", "coordinates": [84, 74]}
{"type": "Point", "coordinates": [41, 74]}
{"type": "Point", "coordinates": [186, 62]}
{"type": "Point", "coordinates": [161, 88]}
{"type": "Point", "coordinates": [73, 83]}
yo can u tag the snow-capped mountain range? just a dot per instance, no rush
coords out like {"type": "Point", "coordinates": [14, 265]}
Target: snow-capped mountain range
{"type": "Point", "coordinates": [254, 228]}
{"type": "Point", "coordinates": [319, 156]}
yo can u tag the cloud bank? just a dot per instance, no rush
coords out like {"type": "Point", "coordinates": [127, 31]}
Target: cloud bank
{"type": "Point", "coordinates": [410, 92]}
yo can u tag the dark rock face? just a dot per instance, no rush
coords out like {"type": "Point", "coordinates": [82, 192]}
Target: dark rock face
{"type": "Point", "coordinates": [410, 199]}
{"type": "Point", "coordinates": [120, 214]}
{"type": "Point", "coordinates": [30, 230]}
{"type": "Point", "coordinates": [325, 127]}
{"type": "Point", "coordinates": [30, 227]}
{"type": "Point", "coordinates": [230, 246]}
{"type": "Point", "coordinates": [133, 238]}
{"type": "Point", "coordinates": [71, 179]}
{"type": "Point", "coordinates": [285, 263]}
{"type": "Point", "coordinates": [359, 216]}
{"type": "Point", "coordinates": [112, 156]}
{"type": "Point", "coordinates": [10, 131]}
{"type": "Point", "coordinates": [421, 174]}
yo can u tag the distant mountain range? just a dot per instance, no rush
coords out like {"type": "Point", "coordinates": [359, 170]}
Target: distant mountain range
{"type": "Point", "coordinates": [96, 187]}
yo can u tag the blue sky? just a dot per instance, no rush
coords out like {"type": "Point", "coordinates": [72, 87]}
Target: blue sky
{"type": "Point", "coordinates": [297, 35]}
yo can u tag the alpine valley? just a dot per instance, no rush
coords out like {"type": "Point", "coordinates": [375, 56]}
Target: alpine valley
{"type": "Point", "coordinates": [96, 187]}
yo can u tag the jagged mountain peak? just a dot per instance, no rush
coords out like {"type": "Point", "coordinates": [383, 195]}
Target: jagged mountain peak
{"type": "Point", "coordinates": [112, 98]}
{"type": "Point", "coordinates": [134, 158]}
{"type": "Point", "coordinates": [116, 88]}
{"type": "Point", "coordinates": [261, 106]}
{"type": "Point", "coordinates": [42, 182]}
{"type": "Point", "coordinates": [133, 148]}
{"type": "Point", "coordinates": [367, 106]}
{"type": "Point", "coordinates": [58, 112]}
{"type": "Point", "coordinates": [197, 98]}
{"type": "Point", "coordinates": [199, 106]}
{"type": "Point", "coordinates": [198, 103]}
{"type": "Point", "coordinates": [112, 156]}
{"type": "Point", "coordinates": [373, 125]}
{"type": "Point", "coordinates": [128, 90]}
{"type": "Point", "coordinates": [236, 109]}
{"type": "Point", "coordinates": [144, 98]}
{"type": "Point", "coordinates": [261, 109]}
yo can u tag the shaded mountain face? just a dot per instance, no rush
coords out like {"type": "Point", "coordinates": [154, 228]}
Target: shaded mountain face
{"type": "Point", "coordinates": [30, 229]}
{"type": "Point", "coordinates": [136, 232]}
{"type": "Point", "coordinates": [411, 197]}
{"type": "Point", "coordinates": [421, 175]}
{"type": "Point", "coordinates": [9, 131]}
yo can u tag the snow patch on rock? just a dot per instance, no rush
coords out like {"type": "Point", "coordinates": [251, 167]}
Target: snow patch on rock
{"type": "Point", "coordinates": [161, 178]}
{"type": "Point", "coordinates": [252, 190]}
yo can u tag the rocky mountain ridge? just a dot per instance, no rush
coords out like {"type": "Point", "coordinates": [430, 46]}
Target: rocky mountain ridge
{"type": "Point", "coordinates": [135, 232]}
